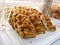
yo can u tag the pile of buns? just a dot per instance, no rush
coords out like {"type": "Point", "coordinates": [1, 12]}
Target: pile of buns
{"type": "Point", "coordinates": [29, 22]}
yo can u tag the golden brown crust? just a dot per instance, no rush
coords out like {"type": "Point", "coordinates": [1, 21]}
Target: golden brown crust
{"type": "Point", "coordinates": [27, 22]}
{"type": "Point", "coordinates": [37, 24]}
{"type": "Point", "coordinates": [55, 11]}
{"type": "Point", "coordinates": [47, 23]}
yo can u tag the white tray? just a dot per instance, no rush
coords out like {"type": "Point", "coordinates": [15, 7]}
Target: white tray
{"type": "Point", "coordinates": [10, 37]}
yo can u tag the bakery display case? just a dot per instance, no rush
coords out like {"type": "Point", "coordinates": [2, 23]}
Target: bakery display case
{"type": "Point", "coordinates": [23, 23]}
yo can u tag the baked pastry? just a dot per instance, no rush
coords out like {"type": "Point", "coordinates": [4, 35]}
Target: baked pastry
{"type": "Point", "coordinates": [29, 22]}
{"type": "Point", "coordinates": [36, 21]}
{"type": "Point", "coordinates": [55, 11]}
{"type": "Point", "coordinates": [23, 26]}
{"type": "Point", "coordinates": [47, 23]}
